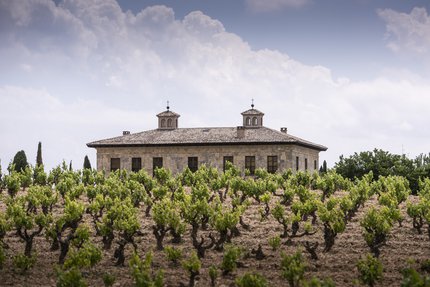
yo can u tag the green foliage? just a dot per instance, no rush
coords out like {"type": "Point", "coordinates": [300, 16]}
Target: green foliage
{"type": "Point", "coordinates": [23, 262]}
{"type": "Point", "coordinates": [230, 258]}
{"type": "Point", "coordinates": [13, 183]}
{"type": "Point", "coordinates": [19, 162]}
{"type": "Point", "coordinates": [251, 280]}
{"type": "Point", "coordinates": [70, 278]}
{"type": "Point", "coordinates": [275, 242]}
{"type": "Point", "coordinates": [39, 176]}
{"type": "Point", "coordinates": [412, 278]}
{"type": "Point", "coordinates": [377, 224]}
{"type": "Point", "coordinates": [370, 270]}
{"type": "Point", "coordinates": [39, 160]}
{"type": "Point", "coordinates": [26, 177]}
{"type": "Point", "coordinates": [213, 274]}
{"type": "Point", "coordinates": [108, 279]}
{"type": "Point", "coordinates": [315, 282]}
{"type": "Point", "coordinates": [141, 272]}
{"type": "Point", "coordinates": [383, 163]}
{"type": "Point", "coordinates": [192, 265]}
{"type": "Point", "coordinates": [173, 254]}
{"type": "Point", "coordinates": [86, 256]}
{"type": "Point", "coordinates": [293, 268]}
{"type": "Point", "coordinates": [87, 164]}
{"type": "Point", "coordinates": [2, 256]}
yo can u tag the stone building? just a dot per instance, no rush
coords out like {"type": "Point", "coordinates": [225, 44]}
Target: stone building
{"type": "Point", "coordinates": [249, 146]}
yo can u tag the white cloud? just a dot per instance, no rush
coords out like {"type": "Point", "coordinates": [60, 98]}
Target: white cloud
{"type": "Point", "coordinates": [407, 32]}
{"type": "Point", "coordinates": [274, 5]}
{"type": "Point", "coordinates": [115, 70]}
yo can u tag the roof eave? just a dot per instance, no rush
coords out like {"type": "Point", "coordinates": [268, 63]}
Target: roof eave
{"type": "Point", "coordinates": [100, 145]}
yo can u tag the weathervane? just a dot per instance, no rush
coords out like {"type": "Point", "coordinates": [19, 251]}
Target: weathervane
{"type": "Point", "coordinates": [252, 103]}
{"type": "Point", "coordinates": [168, 105]}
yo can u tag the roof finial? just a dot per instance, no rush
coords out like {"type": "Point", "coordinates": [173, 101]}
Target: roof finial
{"type": "Point", "coordinates": [252, 104]}
{"type": "Point", "coordinates": [168, 105]}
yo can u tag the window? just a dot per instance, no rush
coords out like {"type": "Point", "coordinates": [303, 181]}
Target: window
{"type": "Point", "coordinates": [254, 121]}
{"type": "Point", "coordinates": [163, 123]}
{"type": "Point", "coordinates": [250, 164]}
{"type": "Point", "coordinates": [136, 164]}
{"type": "Point", "coordinates": [306, 164]}
{"type": "Point", "coordinates": [248, 121]}
{"type": "Point", "coordinates": [297, 163]}
{"type": "Point", "coordinates": [169, 123]}
{"type": "Point", "coordinates": [272, 163]}
{"type": "Point", "coordinates": [225, 160]}
{"type": "Point", "coordinates": [315, 164]}
{"type": "Point", "coordinates": [115, 164]}
{"type": "Point", "coordinates": [157, 162]}
{"type": "Point", "coordinates": [193, 163]}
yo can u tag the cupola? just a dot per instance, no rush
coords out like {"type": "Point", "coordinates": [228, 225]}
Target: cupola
{"type": "Point", "coordinates": [252, 118]}
{"type": "Point", "coordinates": [168, 120]}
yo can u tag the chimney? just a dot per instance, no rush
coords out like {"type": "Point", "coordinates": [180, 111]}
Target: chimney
{"type": "Point", "coordinates": [124, 133]}
{"type": "Point", "coordinates": [240, 132]}
{"type": "Point", "coordinates": [284, 130]}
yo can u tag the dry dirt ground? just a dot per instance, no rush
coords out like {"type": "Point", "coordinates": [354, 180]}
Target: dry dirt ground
{"type": "Point", "coordinates": [339, 264]}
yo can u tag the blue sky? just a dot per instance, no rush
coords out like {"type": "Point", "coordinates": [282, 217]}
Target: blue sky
{"type": "Point", "coordinates": [352, 75]}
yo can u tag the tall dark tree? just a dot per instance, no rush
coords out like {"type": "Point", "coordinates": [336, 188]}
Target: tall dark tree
{"type": "Point", "coordinates": [70, 166]}
{"type": "Point", "coordinates": [20, 161]}
{"type": "Point", "coordinates": [323, 168]}
{"type": "Point", "coordinates": [87, 163]}
{"type": "Point", "coordinates": [39, 155]}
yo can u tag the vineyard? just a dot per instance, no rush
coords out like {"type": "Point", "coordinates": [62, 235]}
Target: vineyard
{"type": "Point", "coordinates": [211, 228]}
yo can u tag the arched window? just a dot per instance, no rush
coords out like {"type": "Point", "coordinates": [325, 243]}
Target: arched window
{"type": "Point", "coordinates": [248, 121]}
{"type": "Point", "coordinates": [254, 121]}
{"type": "Point", "coordinates": [169, 123]}
{"type": "Point", "coordinates": [163, 123]}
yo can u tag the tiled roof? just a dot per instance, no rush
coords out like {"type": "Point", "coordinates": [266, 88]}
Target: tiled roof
{"type": "Point", "coordinates": [168, 114]}
{"type": "Point", "coordinates": [252, 112]}
{"type": "Point", "coordinates": [205, 136]}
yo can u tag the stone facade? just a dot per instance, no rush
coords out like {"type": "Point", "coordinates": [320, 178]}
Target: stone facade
{"type": "Point", "coordinates": [180, 148]}
{"type": "Point", "coordinates": [175, 158]}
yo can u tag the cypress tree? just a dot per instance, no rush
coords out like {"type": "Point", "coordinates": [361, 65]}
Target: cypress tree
{"type": "Point", "coordinates": [39, 161]}
{"type": "Point", "coordinates": [70, 166]}
{"type": "Point", "coordinates": [20, 161]}
{"type": "Point", "coordinates": [87, 163]}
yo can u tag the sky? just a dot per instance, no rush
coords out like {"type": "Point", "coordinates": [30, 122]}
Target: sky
{"type": "Point", "coordinates": [351, 75]}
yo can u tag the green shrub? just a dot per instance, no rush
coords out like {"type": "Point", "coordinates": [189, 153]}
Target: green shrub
{"type": "Point", "coordinates": [142, 274]}
{"type": "Point", "coordinates": [70, 278]}
{"type": "Point", "coordinates": [173, 254]}
{"type": "Point", "coordinates": [369, 269]}
{"type": "Point", "coordinates": [213, 274]}
{"type": "Point", "coordinates": [251, 280]}
{"type": "Point", "coordinates": [275, 242]}
{"type": "Point", "coordinates": [108, 279]}
{"type": "Point", "coordinates": [229, 259]}
{"type": "Point", "coordinates": [23, 263]}
{"type": "Point", "coordinates": [293, 268]}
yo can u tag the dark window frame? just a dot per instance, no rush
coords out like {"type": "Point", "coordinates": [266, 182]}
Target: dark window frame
{"type": "Point", "coordinates": [136, 164]}
{"type": "Point", "coordinates": [157, 162]}
{"type": "Point", "coordinates": [250, 164]}
{"type": "Point", "coordinates": [115, 163]}
{"type": "Point", "coordinates": [193, 163]}
{"type": "Point", "coordinates": [306, 164]}
{"type": "Point", "coordinates": [272, 163]}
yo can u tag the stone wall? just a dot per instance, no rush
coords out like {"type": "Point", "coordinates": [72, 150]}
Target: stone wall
{"type": "Point", "coordinates": [175, 158]}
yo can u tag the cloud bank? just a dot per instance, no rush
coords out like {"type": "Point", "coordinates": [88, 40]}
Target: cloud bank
{"type": "Point", "coordinates": [84, 70]}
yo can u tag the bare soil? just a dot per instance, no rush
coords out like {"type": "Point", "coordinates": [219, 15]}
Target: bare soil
{"type": "Point", "coordinates": [339, 264]}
